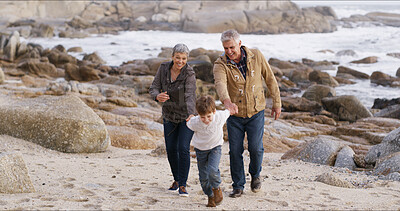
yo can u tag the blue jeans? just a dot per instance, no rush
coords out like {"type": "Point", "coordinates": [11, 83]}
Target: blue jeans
{"type": "Point", "coordinates": [237, 127]}
{"type": "Point", "coordinates": [177, 143]}
{"type": "Point", "coordinates": [208, 164]}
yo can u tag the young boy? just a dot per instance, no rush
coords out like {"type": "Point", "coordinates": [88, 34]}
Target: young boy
{"type": "Point", "coordinates": [207, 141]}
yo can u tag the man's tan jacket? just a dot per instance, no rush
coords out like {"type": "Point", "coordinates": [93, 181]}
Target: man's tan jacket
{"type": "Point", "coordinates": [247, 94]}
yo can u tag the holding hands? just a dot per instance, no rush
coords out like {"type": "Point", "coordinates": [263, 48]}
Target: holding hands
{"type": "Point", "coordinates": [232, 107]}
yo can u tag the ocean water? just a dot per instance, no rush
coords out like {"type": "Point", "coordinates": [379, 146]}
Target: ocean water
{"type": "Point", "coordinates": [365, 41]}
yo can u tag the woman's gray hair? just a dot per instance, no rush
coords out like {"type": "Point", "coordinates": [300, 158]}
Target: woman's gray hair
{"type": "Point", "coordinates": [180, 48]}
{"type": "Point", "coordinates": [230, 34]}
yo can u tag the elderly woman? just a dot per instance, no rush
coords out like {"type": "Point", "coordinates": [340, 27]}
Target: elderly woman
{"type": "Point", "coordinates": [174, 85]}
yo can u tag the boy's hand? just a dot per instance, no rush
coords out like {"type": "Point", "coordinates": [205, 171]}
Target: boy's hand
{"type": "Point", "coordinates": [190, 116]}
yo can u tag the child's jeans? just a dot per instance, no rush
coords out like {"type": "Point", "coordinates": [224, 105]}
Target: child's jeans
{"type": "Point", "coordinates": [208, 164]}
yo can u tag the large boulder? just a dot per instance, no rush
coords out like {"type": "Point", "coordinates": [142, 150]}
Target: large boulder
{"type": "Point", "coordinates": [320, 151]}
{"type": "Point", "coordinates": [317, 92]}
{"type": "Point", "coordinates": [388, 164]}
{"type": "Point", "coordinates": [392, 111]}
{"type": "Point", "coordinates": [345, 158]}
{"type": "Point", "coordinates": [323, 78]}
{"type": "Point", "coordinates": [62, 123]}
{"type": "Point", "coordinates": [291, 104]}
{"type": "Point", "coordinates": [384, 79]}
{"type": "Point", "coordinates": [10, 49]}
{"type": "Point", "coordinates": [390, 144]}
{"type": "Point", "coordinates": [347, 107]}
{"type": "Point", "coordinates": [14, 176]}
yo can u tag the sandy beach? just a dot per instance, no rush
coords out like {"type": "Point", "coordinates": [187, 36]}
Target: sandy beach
{"type": "Point", "coordinates": [121, 179]}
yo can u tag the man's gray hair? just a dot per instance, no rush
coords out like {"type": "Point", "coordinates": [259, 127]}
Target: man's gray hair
{"type": "Point", "coordinates": [230, 34]}
{"type": "Point", "coordinates": [180, 48]}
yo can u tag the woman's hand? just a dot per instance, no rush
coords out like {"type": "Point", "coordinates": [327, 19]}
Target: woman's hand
{"type": "Point", "coordinates": [162, 97]}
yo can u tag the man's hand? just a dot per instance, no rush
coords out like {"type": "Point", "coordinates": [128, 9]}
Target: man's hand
{"type": "Point", "coordinates": [232, 107]}
{"type": "Point", "coordinates": [162, 97]}
{"type": "Point", "coordinates": [276, 111]}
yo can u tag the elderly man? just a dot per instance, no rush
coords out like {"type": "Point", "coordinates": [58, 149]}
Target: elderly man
{"type": "Point", "coordinates": [239, 75]}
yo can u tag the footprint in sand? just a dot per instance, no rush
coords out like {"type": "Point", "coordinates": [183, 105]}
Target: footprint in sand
{"type": "Point", "coordinates": [87, 192]}
{"type": "Point", "coordinates": [92, 206]}
{"type": "Point", "coordinates": [151, 201]}
{"type": "Point", "coordinates": [48, 199]}
{"type": "Point", "coordinates": [274, 193]}
{"type": "Point", "coordinates": [23, 200]}
{"type": "Point", "coordinates": [70, 179]}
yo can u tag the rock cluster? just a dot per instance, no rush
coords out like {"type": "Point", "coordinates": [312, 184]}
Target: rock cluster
{"type": "Point", "coordinates": [84, 18]}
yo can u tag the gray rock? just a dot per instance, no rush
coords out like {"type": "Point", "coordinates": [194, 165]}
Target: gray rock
{"type": "Point", "coordinates": [347, 107]}
{"type": "Point", "coordinates": [395, 176]}
{"type": "Point", "coordinates": [392, 111]}
{"type": "Point", "coordinates": [389, 145]}
{"type": "Point", "coordinates": [62, 123]}
{"type": "Point", "coordinates": [14, 177]}
{"type": "Point", "coordinates": [345, 158]}
{"type": "Point", "coordinates": [346, 53]}
{"type": "Point", "coordinates": [388, 164]}
{"type": "Point", "coordinates": [320, 151]}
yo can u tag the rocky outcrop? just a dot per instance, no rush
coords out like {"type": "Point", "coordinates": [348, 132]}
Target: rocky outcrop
{"type": "Point", "coordinates": [63, 123]}
{"type": "Point", "coordinates": [14, 176]}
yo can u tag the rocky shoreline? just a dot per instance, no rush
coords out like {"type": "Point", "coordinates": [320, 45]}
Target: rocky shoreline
{"type": "Point", "coordinates": [59, 102]}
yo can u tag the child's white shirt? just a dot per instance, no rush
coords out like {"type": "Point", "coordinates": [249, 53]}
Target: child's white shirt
{"type": "Point", "coordinates": [206, 137]}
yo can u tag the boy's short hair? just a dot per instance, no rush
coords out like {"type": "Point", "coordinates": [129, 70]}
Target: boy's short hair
{"type": "Point", "coordinates": [205, 105]}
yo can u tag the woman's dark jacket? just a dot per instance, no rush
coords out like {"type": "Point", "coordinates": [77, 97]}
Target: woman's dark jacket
{"type": "Point", "coordinates": [182, 92]}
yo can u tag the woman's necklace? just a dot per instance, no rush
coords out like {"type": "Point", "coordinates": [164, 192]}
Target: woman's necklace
{"type": "Point", "coordinates": [174, 74]}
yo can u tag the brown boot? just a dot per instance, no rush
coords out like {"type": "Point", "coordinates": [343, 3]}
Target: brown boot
{"type": "Point", "coordinates": [218, 195]}
{"type": "Point", "coordinates": [211, 202]}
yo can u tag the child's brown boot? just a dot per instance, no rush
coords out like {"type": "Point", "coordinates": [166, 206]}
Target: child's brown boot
{"type": "Point", "coordinates": [218, 195]}
{"type": "Point", "coordinates": [211, 201]}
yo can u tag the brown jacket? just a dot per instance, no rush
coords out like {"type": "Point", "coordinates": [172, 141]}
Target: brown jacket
{"type": "Point", "coordinates": [247, 94]}
{"type": "Point", "coordinates": [182, 92]}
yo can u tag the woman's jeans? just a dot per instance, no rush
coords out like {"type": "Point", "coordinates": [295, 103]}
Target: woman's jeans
{"type": "Point", "coordinates": [177, 142]}
{"type": "Point", "coordinates": [208, 164]}
{"type": "Point", "coordinates": [254, 128]}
